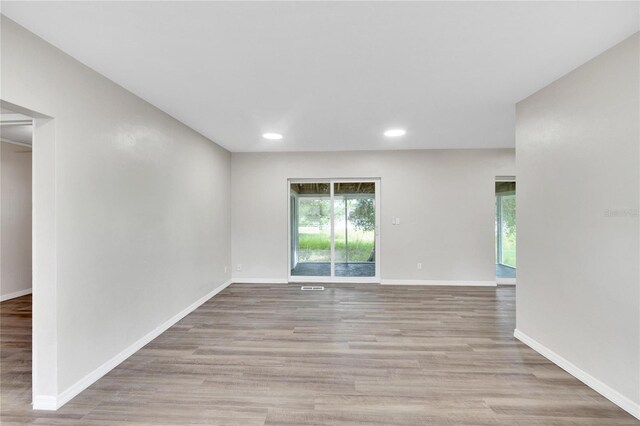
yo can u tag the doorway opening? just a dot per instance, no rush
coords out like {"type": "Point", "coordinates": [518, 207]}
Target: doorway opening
{"type": "Point", "coordinates": [333, 230]}
{"type": "Point", "coordinates": [505, 229]}
{"type": "Point", "coordinates": [16, 131]}
{"type": "Point", "coordinates": [15, 215]}
{"type": "Point", "coordinates": [35, 322]}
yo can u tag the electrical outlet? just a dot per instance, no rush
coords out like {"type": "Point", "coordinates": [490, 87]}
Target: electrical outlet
{"type": "Point", "coordinates": [226, 269]}
{"type": "Point", "coordinates": [239, 267]}
{"type": "Point", "coordinates": [419, 266]}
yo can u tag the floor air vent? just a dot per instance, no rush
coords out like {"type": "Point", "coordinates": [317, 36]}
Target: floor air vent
{"type": "Point", "coordinates": [312, 288]}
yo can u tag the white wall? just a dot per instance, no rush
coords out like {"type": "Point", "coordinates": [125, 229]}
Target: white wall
{"type": "Point", "coordinates": [132, 217]}
{"type": "Point", "coordinates": [15, 220]}
{"type": "Point", "coordinates": [445, 200]}
{"type": "Point", "coordinates": [577, 144]}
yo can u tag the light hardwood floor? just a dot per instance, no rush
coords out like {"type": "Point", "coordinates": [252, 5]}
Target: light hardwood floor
{"type": "Point", "coordinates": [353, 354]}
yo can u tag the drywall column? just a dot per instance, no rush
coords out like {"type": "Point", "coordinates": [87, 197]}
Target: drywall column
{"type": "Point", "coordinates": [45, 255]}
{"type": "Point", "coordinates": [577, 156]}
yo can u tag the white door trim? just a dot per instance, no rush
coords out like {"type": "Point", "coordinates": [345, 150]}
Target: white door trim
{"type": "Point", "coordinates": [333, 278]}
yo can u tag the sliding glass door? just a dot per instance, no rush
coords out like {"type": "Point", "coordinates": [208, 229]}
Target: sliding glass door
{"type": "Point", "coordinates": [333, 230]}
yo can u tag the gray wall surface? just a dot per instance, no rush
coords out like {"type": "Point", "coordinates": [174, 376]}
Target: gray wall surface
{"type": "Point", "coordinates": [139, 204]}
{"type": "Point", "coordinates": [577, 149]}
{"type": "Point", "coordinates": [445, 200]}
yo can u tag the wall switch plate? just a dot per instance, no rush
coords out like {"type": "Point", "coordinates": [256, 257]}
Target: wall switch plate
{"type": "Point", "coordinates": [226, 269]}
{"type": "Point", "coordinates": [419, 266]}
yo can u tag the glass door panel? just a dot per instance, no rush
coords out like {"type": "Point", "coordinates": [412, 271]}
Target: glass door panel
{"type": "Point", "coordinates": [508, 231]}
{"type": "Point", "coordinates": [354, 209]}
{"type": "Point", "coordinates": [505, 229]}
{"type": "Point", "coordinates": [310, 229]}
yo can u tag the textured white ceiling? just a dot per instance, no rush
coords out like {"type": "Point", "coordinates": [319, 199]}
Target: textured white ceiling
{"type": "Point", "coordinates": [334, 75]}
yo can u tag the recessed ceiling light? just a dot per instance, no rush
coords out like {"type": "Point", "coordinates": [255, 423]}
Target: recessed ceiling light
{"type": "Point", "coordinates": [392, 133]}
{"type": "Point", "coordinates": [272, 136]}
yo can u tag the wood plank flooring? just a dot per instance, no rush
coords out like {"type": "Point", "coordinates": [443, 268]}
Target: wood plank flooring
{"type": "Point", "coordinates": [352, 354]}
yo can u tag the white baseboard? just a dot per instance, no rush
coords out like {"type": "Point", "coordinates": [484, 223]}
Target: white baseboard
{"type": "Point", "coordinates": [44, 402]}
{"type": "Point", "coordinates": [612, 395]}
{"type": "Point", "coordinates": [259, 280]}
{"type": "Point", "coordinates": [347, 280]}
{"type": "Point", "coordinates": [440, 282]}
{"type": "Point", "coordinates": [506, 281]}
{"type": "Point", "coordinates": [333, 280]}
{"type": "Point", "coordinates": [15, 294]}
{"type": "Point", "coordinates": [53, 403]}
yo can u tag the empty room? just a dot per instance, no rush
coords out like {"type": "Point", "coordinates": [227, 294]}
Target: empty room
{"type": "Point", "coordinates": [320, 212]}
